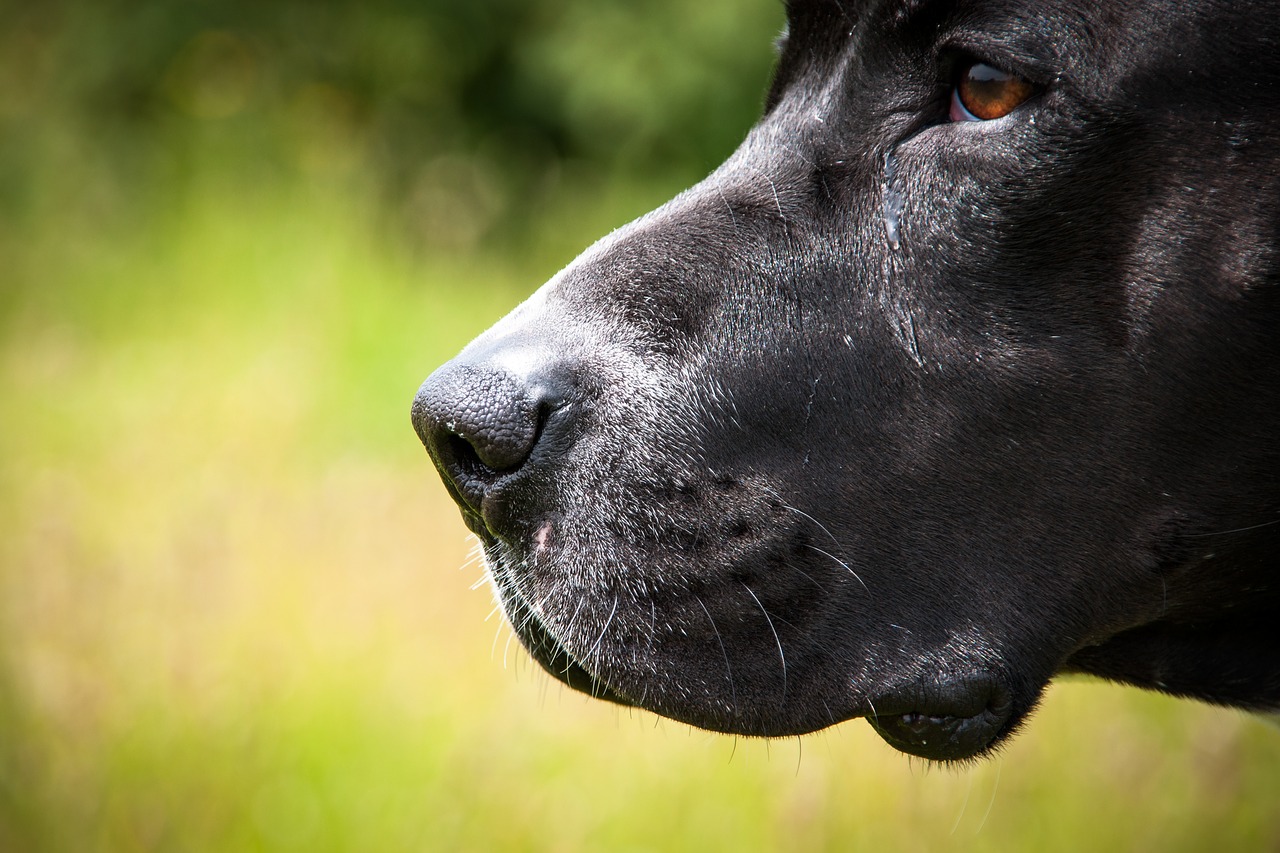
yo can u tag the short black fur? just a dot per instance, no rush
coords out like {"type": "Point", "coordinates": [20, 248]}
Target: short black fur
{"type": "Point", "coordinates": [898, 417]}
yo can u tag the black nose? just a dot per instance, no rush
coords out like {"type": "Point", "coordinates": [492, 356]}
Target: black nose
{"type": "Point", "coordinates": [481, 424]}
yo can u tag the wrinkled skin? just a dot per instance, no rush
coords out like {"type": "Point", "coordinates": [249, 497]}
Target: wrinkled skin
{"type": "Point", "coordinates": [898, 417]}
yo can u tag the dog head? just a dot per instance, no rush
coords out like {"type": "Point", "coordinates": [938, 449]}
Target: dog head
{"type": "Point", "coordinates": [961, 372]}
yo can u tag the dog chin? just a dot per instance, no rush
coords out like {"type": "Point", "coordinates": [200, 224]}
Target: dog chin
{"type": "Point", "coordinates": [945, 718]}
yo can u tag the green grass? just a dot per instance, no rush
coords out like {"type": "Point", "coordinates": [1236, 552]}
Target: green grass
{"type": "Point", "coordinates": [237, 611]}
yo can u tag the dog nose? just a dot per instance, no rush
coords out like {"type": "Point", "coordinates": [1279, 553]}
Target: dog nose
{"type": "Point", "coordinates": [481, 423]}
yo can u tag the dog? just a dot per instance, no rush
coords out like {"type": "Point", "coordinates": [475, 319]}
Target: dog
{"type": "Point", "coordinates": [963, 371]}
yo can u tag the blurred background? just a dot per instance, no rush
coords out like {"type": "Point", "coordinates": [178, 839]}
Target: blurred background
{"type": "Point", "coordinates": [238, 612]}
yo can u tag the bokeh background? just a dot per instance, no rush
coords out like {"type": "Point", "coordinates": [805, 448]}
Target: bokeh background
{"type": "Point", "coordinates": [237, 611]}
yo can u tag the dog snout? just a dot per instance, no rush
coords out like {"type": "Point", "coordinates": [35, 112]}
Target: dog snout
{"type": "Point", "coordinates": [482, 423]}
{"type": "Point", "coordinates": [476, 416]}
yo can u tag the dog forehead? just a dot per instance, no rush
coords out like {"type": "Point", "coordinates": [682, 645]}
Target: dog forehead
{"type": "Point", "coordinates": [1105, 20]}
{"type": "Point", "coordinates": [852, 11]}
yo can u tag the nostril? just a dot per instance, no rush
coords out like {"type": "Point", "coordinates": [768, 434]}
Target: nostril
{"type": "Point", "coordinates": [464, 456]}
{"type": "Point", "coordinates": [480, 422]}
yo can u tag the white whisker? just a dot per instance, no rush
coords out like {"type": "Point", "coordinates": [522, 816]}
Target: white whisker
{"type": "Point", "coordinates": [819, 524]}
{"type": "Point", "coordinates": [842, 563]}
{"type": "Point", "coordinates": [808, 577]}
{"type": "Point", "coordinates": [994, 790]}
{"type": "Point", "coordinates": [782, 655]}
{"type": "Point", "coordinates": [1236, 530]}
{"type": "Point", "coordinates": [733, 692]}
{"type": "Point", "coordinates": [600, 639]}
{"type": "Point", "coordinates": [507, 648]}
{"type": "Point", "coordinates": [596, 648]}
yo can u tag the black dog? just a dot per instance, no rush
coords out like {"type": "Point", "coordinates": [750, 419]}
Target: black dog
{"type": "Point", "coordinates": [963, 371]}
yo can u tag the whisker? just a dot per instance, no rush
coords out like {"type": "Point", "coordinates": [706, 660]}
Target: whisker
{"type": "Point", "coordinates": [819, 524]}
{"type": "Point", "coordinates": [507, 648]}
{"type": "Point", "coordinates": [568, 630]}
{"type": "Point", "coordinates": [653, 623]}
{"type": "Point", "coordinates": [1236, 530]}
{"type": "Point", "coordinates": [733, 692]}
{"type": "Point", "coordinates": [995, 789]}
{"type": "Point", "coordinates": [833, 538]}
{"type": "Point", "coordinates": [964, 806]}
{"type": "Point", "coordinates": [594, 653]}
{"type": "Point", "coordinates": [842, 563]}
{"type": "Point", "coordinates": [830, 714]}
{"type": "Point", "coordinates": [807, 577]}
{"type": "Point", "coordinates": [595, 648]}
{"type": "Point", "coordinates": [497, 632]}
{"type": "Point", "coordinates": [782, 655]}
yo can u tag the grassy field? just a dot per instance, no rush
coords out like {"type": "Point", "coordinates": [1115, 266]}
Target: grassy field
{"type": "Point", "coordinates": [238, 612]}
{"type": "Point", "coordinates": [238, 609]}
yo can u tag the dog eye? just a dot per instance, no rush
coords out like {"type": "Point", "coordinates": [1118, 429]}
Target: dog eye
{"type": "Point", "coordinates": [983, 92]}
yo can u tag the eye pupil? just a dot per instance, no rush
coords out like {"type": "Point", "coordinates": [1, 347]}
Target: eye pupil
{"type": "Point", "coordinates": [987, 92]}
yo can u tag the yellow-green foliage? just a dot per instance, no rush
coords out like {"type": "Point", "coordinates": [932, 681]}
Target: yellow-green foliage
{"type": "Point", "coordinates": [236, 605]}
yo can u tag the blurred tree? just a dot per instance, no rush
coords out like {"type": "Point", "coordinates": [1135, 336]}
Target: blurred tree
{"type": "Point", "coordinates": [461, 113]}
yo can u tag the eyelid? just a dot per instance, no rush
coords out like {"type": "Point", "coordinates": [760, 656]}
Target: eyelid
{"type": "Point", "coordinates": [959, 51]}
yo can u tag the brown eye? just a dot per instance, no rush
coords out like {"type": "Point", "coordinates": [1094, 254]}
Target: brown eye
{"type": "Point", "coordinates": [983, 93]}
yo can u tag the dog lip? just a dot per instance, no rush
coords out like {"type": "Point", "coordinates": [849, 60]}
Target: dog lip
{"type": "Point", "coordinates": [953, 719]}
{"type": "Point", "coordinates": [535, 636]}
{"type": "Point", "coordinates": [487, 506]}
